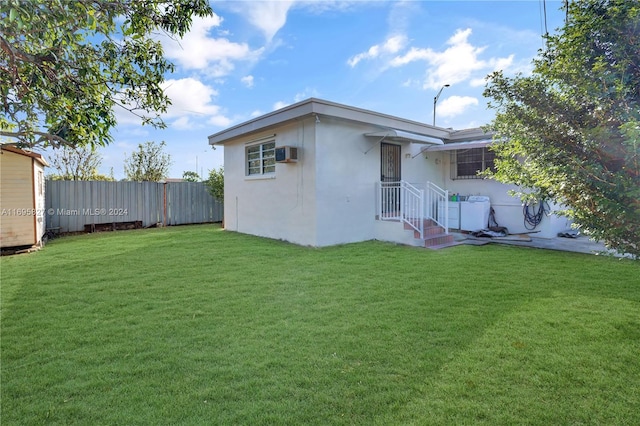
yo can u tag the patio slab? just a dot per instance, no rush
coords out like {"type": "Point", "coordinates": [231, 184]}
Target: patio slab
{"type": "Point", "coordinates": [581, 244]}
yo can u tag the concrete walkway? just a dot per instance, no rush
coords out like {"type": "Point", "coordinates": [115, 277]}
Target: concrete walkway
{"type": "Point", "coordinates": [581, 244]}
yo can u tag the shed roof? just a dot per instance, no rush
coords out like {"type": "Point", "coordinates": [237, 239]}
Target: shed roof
{"type": "Point", "coordinates": [12, 148]}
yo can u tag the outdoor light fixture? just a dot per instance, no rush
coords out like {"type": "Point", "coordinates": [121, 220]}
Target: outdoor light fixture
{"type": "Point", "coordinates": [435, 101]}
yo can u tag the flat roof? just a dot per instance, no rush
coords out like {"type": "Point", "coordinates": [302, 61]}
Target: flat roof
{"type": "Point", "coordinates": [320, 107]}
{"type": "Point", "coordinates": [402, 129]}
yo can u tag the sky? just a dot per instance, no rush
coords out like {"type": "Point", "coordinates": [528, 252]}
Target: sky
{"type": "Point", "coordinates": [254, 57]}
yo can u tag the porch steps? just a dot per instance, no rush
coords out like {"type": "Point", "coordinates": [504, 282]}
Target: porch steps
{"type": "Point", "coordinates": [434, 236]}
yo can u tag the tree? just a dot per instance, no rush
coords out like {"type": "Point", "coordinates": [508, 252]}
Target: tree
{"type": "Point", "coordinates": [77, 163]}
{"type": "Point", "coordinates": [189, 176]}
{"type": "Point", "coordinates": [149, 163]}
{"type": "Point", "coordinates": [65, 65]}
{"type": "Point", "coordinates": [215, 183]}
{"type": "Point", "coordinates": [571, 130]}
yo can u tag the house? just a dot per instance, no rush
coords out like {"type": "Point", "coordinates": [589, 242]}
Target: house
{"type": "Point", "coordinates": [22, 198]}
{"type": "Point", "coordinates": [319, 173]}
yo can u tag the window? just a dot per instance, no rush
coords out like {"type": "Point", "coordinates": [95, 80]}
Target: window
{"type": "Point", "coordinates": [466, 164]}
{"type": "Point", "coordinates": [261, 159]}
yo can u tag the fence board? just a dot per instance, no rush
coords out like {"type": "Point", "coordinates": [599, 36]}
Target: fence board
{"type": "Point", "coordinates": [73, 204]}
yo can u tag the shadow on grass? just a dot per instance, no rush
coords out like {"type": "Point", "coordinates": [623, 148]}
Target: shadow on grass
{"type": "Point", "coordinates": [560, 360]}
{"type": "Point", "coordinates": [193, 325]}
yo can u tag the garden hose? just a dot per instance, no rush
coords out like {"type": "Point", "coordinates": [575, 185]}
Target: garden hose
{"type": "Point", "coordinates": [533, 215]}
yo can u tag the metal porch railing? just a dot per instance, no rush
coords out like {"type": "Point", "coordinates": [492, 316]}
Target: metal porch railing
{"type": "Point", "coordinates": [437, 205]}
{"type": "Point", "coordinates": [402, 201]}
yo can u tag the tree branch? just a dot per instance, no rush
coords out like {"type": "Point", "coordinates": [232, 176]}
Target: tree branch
{"type": "Point", "coordinates": [54, 140]}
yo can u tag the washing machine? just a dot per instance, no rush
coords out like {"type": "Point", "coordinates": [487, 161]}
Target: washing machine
{"type": "Point", "coordinates": [474, 213]}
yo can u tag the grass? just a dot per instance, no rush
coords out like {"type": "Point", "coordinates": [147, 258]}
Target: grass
{"type": "Point", "coordinates": [193, 325]}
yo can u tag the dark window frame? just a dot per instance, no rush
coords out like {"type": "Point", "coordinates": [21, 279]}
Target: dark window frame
{"type": "Point", "coordinates": [466, 164]}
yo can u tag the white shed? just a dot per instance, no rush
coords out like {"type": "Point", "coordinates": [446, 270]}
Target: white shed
{"type": "Point", "coordinates": [22, 197]}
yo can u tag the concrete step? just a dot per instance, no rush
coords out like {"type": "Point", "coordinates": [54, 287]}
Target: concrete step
{"type": "Point", "coordinates": [434, 236]}
{"type": "Point", "coordinates": [428, 231]}
{"type": "Point", "coordinates": [429, 228]}
{"type": "Point", "coordinates": [441, 246]}
{"type": "Point", "coordinates": [438, 240]}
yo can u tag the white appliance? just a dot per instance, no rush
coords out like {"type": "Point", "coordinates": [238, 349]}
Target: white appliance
{"type": "Point", "coordinates": [474, 213]}
{"type": "Point", "coordinates": [454, 215]}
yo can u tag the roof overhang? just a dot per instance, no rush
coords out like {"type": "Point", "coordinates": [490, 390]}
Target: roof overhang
{"type": "Point", "coordinates": [319, 109]}
{"type": "Point", "coordinates": [460, 145]}
{"type": "Point", "coordinates": [37, 157]}
{"type": "Point", "coordinates": [404, 136]}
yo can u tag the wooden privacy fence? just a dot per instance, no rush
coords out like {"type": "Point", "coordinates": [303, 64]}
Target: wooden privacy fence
{"type": "Point", "coordinates": [73, 206]}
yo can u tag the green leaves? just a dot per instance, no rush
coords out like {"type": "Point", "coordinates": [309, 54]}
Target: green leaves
{"type": "Point", "coordinates": [67, 64]}
{"type": "Point", "coordinates": [215, 183]}
{"type": "Point", "coordinates": [148, 164]}
{"type": "Point", "coordinates": [572, 126]}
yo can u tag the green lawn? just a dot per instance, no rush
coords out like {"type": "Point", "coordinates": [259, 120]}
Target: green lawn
{"type": "Point", "coordinates": [194, 325]}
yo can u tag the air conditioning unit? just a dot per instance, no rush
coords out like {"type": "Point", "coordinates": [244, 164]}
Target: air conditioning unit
{"type": "Point", "coordinates": [286, 154]}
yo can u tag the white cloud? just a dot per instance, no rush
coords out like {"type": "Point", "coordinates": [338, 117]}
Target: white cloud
{"type": "Point", "coordinates": [280, 104]}
{"type": "Point", "coordinates": [394, 44]}
{"type": "Point", "coordinates": [414, 54]}
{"type": "Point", "coordinates": [220, 121]}
{"type": "Point", "coordinates": [390, 46]}
{"type": "Point", "coordinates": [373, 52]}
{"type": "Point", "coordinates": [300, 96]}
{"type": "Point", "coordinates": [247, 81]}
{"type": "Point", "coordinates": [190, 98]}
{"type": "Point", "coordinates": [182, 123]}
{"type": "Point", "coordinates": [477, 82]}
{"type": "Point", "coordinates": [456, 63]}
{"type": "Point", "coordinates": [496, 64]}
{"type": "Point", "coordinates": [455, 105]}
{"type": "Point", "coordinates": [197, 50]}
{"type": "Point", "coordinates": [268, 16]}
{"type": "Point", "coordinates": [501, 63]}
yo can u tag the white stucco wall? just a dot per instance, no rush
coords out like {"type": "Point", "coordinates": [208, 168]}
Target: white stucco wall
{"type": "Point", "coordinates": [508, 209]}
{"type": "Point", "coordinates": [346, 176]}
{"type": "Point", "coordinates": [329, 196]}
{"type": "Point", "coordinates": [282, 205]}
{"type": "Point", "coordinates": [345, 182]}
{"type": "Point", "coordinates": [421, 166]}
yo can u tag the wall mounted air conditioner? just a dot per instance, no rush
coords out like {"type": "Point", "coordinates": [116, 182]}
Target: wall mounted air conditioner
{"type": "Point", "coordinates": [286, 154]}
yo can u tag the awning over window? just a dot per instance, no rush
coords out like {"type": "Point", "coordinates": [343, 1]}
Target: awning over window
{"type": "Point", "coordinates": [460, 145]}
{"type": "Point", "coordinates": [402, 136]}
